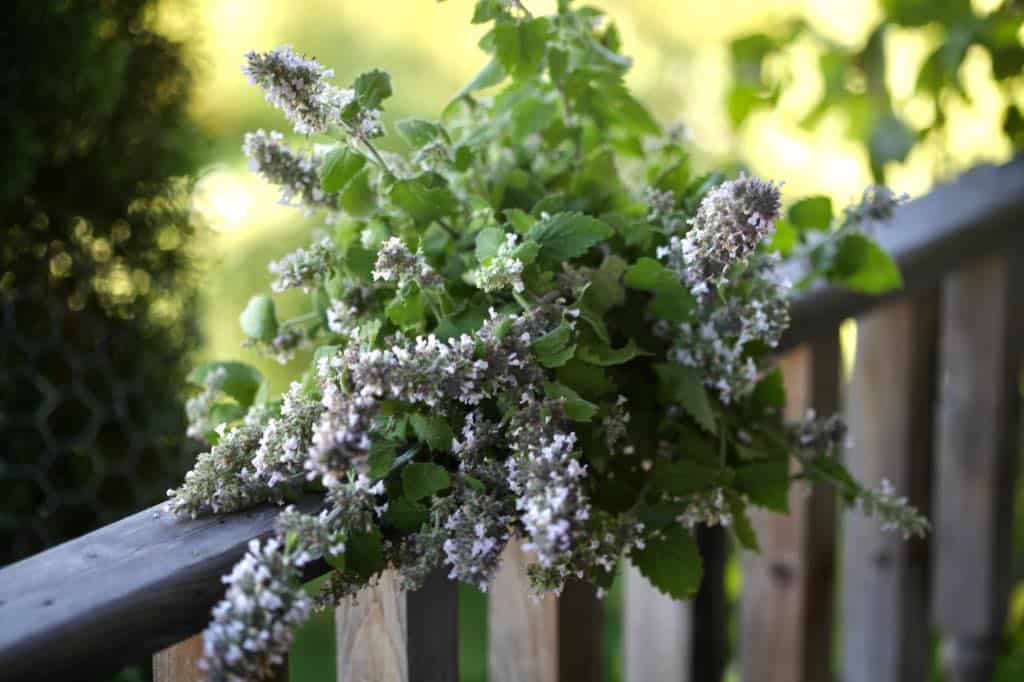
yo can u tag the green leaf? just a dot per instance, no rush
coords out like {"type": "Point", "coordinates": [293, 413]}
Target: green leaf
{"type": "Point", "coordinates": [407, 310]}
{"type": "Point", "coordinates": [590, 381]}
{"type": "Point", "coordinates": [380, 458]}
{"type": "Point", "coordinates": [604, 356]}
{"type": "Point", "coordinates": [687, 477]}
{"type": "Point", "coordinates": [554, 341]}
{"type": "Point", "coordinates": [520, 220]}
{"type": "Point", "coordinates": [564, 236]}
{"type": "Point", "coordinates": [357, 198]}
{"type": "Point", "coordinates": [364, 555]}
{"type": "Point", "coordinates": [419, 133]}
{"type": "Point", "coordinates": [683, 385]}
{"type": "Point", "coordinates": [425, 197]}
{"type": "Point", "coordinates": [606, 290]}
{"type": "Point", "coordinates": [741, 526]}
{"type": "Point", "coordinates": [405, 514]}
{"type": "Point", "coordinates": [785, 238]}
{"type": "Point", "coordinates": [423, 479]}
{"type": "Point", "coordinates": [488, 241]}
{"type": "Point", "coordinates": [771, 390]}
{"type": "Point", "coordinates": [359, 262]}
{"type": "Point", "coordinates": [576, 408]}
{"type": "Point", "coordinates": [891, 140]}
{"type": "Point", "coordinates": [862, 265]}
{"type": "Point", "coordinates": [520, 46]}
{"type": "Point", "coordinates": [812, 213]}
{"type": "Point", "coordinates": [372, 88]}
{"type": "Point", "coordinates": [671, 301]}
{"type": "Point", "coordinates": [765, 483]}
{"type": "Point", "coordinates": [492, 74]}
{"type": "Point", "coordinates": [433, 430]}
{"type": "Point", "coordinates": [339, 166]}
{"type": "Point", "coordinates": [259, 319]}
{"type": "Point", "coordinates": [241, 381]}
{"type": "Point", "coordinates": [671, 562]}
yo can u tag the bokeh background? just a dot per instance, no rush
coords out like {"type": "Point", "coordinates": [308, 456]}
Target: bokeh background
{"type": "Point", "coordinates": [165, 98]}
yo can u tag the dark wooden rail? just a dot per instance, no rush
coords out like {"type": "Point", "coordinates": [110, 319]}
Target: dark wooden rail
{"type": "Point", "coordinates": [89, 606]}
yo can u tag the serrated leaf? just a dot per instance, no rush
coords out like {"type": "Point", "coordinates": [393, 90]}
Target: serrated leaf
{"type": "Point", "coordinates": [433, 430]}
{"type": "Point", "coordinates": [604, 356]}
{"type": "Point", "coordinates": [812, 213]}
{"type": "Point", "coordinates": [405, 514]}
{"type": "Point", "coordinates": [372, 88]}
{"type": "Point", "coordinates": [576, 408]}
{"type": "Point", "coordinates": [423, 479]}
{"type": "Point", "coordinates": [340, 165]}
{"type": "Point", "coordinates": [687, 477]}
{"type": "Point", "coordinates": [380, 458]}
{"type": "Point", "coordinates": [519, 46]}
{"type": "Point", "coordinates": [564, 236]}
{"type": "Point", "coordinates": [259, 319]}
{"type": "Point", "coordinates": [862, 265]}
{"type": "Point", "coordinates": [425, 197]}
{"type": "Point", "coordinates": [520, 220]}
{"type": "Point", "coordinates": [241, 381]}
{"type": "Point", "coordinates": [406, 310]}
{"type": "Point", "coordinates": [671, 562]}
{"type": "Point", "coordinates": [554, 341]}
{"type": "Point", "coordinates": [671, 301]}
{"type": "Point", "coordinates": [765, 483]}
{"type": "Point", "coordinates": [357, 198]}
{"type": "Point", "coordinates": [488, 241]}
{"type": "Point", "coordinates": [419, 133]}
{"type": "Point", "coordinates": [683, 385]}
{"type": "Point", "coordinates": [364, 555]}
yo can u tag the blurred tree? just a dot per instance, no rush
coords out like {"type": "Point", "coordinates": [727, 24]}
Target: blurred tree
{"type": "Point", "coordinates": [97, 299]}
{"type": "Point", "coordinates": [855, 77]}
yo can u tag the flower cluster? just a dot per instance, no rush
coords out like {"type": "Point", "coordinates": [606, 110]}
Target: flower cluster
{"type": "Point", "coordinates": [295, 174]}
{"type": "Point", "coordinates": [503, 270]}
{"type": "Point", "coordinates": [397, 264]}
{"type": "Point", "coordinates": [298, 87]}
{"type": "Point", "coordinates": [732, 220]}
{"type": "Point", "coordinates": [252, 627]}
{"type": "Point", "coordinates": [303, 267]}
{"type": "Point", "coordinates": [483, 364]}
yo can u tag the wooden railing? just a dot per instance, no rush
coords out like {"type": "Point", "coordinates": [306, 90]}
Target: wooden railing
{"type": "Point", "coordinates": [932, 404]}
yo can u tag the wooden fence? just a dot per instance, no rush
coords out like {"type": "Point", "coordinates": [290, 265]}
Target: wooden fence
{"type": "Point", "coordinates": [932, 404]}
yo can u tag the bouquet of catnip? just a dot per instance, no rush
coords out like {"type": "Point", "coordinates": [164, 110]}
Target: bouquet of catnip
{"type": "Point", "coordinates": [539, 323]}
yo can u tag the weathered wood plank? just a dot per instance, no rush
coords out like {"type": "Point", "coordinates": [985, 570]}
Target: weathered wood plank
{"type": "Point", "coordinates": [370, 630]}
{"type": "Point", "coordinates": [523, 630]}
{"type": "Point", "coordinates": [657, 633]}
{"type": "Point", "coordinates": [976, 441]}
{"type": "Point", "coordinates": [180, 662]}
{"type": "Point", "coordinates": [86, 608]}
{"type": "Point", "coordinates": [890, 408]}
{"type": "Point", "coordinates": [787, 592]}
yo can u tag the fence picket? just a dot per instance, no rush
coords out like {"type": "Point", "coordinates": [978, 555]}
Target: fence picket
{"type": "Point", "coordinates": [657, 633]}
{"type": "Point", "coordinates": [976, 432]}
{"type": "Point", "coordinates": [786, 605]}
{"type": "Point", "coordinates": [180, 663]}
{"type": "Point", "coordinates": [890, 409]}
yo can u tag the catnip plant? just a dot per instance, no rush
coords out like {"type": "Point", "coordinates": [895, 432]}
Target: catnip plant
{"type": "Point", "coordinates": [539, 323]}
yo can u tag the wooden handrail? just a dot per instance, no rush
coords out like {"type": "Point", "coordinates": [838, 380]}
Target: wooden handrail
{"type": "Point", "coordinates": [127, 590]}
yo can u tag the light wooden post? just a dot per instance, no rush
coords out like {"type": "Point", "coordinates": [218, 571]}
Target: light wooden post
{"type": "Point", "coordinates": [541, 640]}
{"type": "Point", "coordinates": [787, 592]}
{"type": "Point", "coordinates": [657, 633]}
{"type": "Point", "coordinates": [387, 635]}
{"type": "Point", "coordinates": [180, 663]}
{"type": "Point", "coordinates": [976, 441]}
{"type": "Point", "coordinates": [890, 409]}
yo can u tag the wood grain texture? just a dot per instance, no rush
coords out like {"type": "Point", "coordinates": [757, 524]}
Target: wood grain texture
{"type": "Point", "coordinates": [180, 663]}
{"type": "Point", "coordinates": [370, 631]}
{"type": "Point", "coordinates": [786, 623]}
{"type": "Point", "coordinates": [976, 453]}
{"type": "Point", "coordinates": [523, 643]}
{"type": "Point", "coordinates": [885, 578]}
{"type": "Point", "coordinates": [657, 633]}
{"type": "Point", "coordinates": [86, 608]}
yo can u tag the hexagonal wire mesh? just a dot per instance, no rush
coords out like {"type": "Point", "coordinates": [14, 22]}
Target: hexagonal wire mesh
{"type": "Point", "coordinates": [89, 427]}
